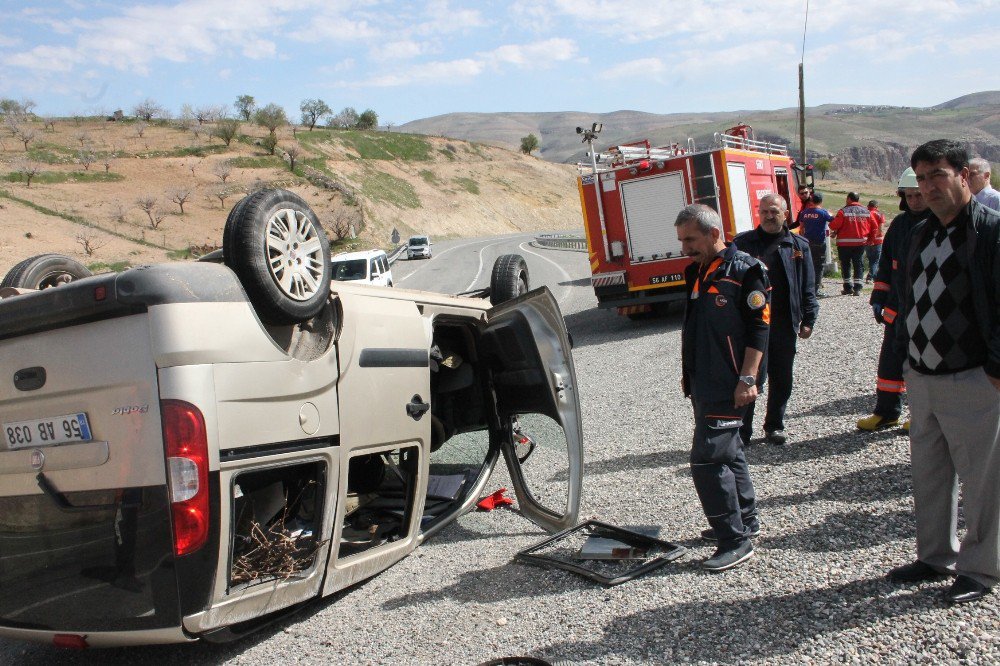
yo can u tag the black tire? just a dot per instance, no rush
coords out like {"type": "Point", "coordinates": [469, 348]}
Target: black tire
{"type": "Point", "coordinates": [509, 279]}
{"type": "Point", "coordinates": [274, 243]}
{"type": "Point", "coordinates": [44, 271]}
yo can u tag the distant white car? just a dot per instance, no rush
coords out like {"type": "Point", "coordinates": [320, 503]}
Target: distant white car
{"type": "Point", "coordinates": [370, 267]}
{"type": "Point", "coordinates": [418, 247]}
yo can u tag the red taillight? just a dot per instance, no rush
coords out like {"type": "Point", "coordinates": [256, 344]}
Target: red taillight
{"type": "Point", "coordinates": [70, 641]}
{"type": "Point", "coordinates": [100, 293]}
{"type": "Point", "coordinates": [186, 443]}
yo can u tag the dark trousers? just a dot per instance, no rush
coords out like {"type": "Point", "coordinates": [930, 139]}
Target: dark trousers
{"type": "Point", "coordinates": [852, 261]}
{"type": "Point", "coordinates": [818, 252]}
{"type": "Point", "coordinates": [889, 387]}
{"type": "Point", "coordinates": [872, 252]}
{"type": "Point", "coordinates": [720, 472]}
{"type": "Point", "coordinates": [781, 345]}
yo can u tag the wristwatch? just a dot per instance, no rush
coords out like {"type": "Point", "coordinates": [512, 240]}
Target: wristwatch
{"type": "Point", "coordinates": [749, 380]}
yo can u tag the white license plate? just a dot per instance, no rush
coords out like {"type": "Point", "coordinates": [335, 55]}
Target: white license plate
{"type": "Point", "coordinates": [45, 432]}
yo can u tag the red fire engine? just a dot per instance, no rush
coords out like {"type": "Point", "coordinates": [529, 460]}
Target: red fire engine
{"type": "Point", "coordinates": [631, 195]}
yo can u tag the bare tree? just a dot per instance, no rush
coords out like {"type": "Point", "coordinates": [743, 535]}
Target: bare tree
{"type": "Point", "coordinates": [82, 137]}
{"type": "Point", "coordinates": [191, 167]}
{"type": "Point", "coordinates": [227, 129]}
{"type": "Point", "coordinates": [180, 195]}
{"type": "Point", "coordinates": [293, 151]}
{"type": "Point", "coordinates": [223, 170]}
{"type": "Point", "coordinates": [147, 203]}
{"type": "Point", "coordinates": [12, 123]}
{"type": "Point", "coordinates": [86, 157]}
{"type": "Point", "coordinates": [341, 224]}
{"type": "Point", "coordinates": [347, 117]}
{"type": "Point", "coordinates": [27, 135]}
{"type": "Point", "coordinates": [27, 169]}
{"type": "Point", "coordinates": [222, 193]}
{"type": "Point", "coordinates": [107, 160]}
{"type": "Point", "coordinates": [118, 213]}
{"type": "Point", "coordinates": [148, 109]}
{"type": "Point", "coordinates": [49, 123]}
{"type": "Point", "coordinates": [90, 242]}
{"type": "Point", "coordinates": [139, 128]}
{"type": "Point", "coordinates": [198, 130]}
{"type": "Point", "coordinates": [157, 218]}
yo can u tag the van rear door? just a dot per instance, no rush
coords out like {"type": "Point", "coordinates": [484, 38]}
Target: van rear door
{"type": "Point", "coordinates": [85, 535]}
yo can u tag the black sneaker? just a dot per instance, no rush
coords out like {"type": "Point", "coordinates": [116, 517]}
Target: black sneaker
{"type": "Point", "coordinates": [776, 436]}
{"type": "Point", "coordinates": [846, 291]}
{"type": "Point", "coordinates": [729, 556]}
{"type": "Point", "coordinates": [709, 534]}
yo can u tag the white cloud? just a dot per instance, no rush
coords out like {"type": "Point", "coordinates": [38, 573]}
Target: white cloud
{"type": "Point", "coordinates": [450, 72]}
{"type": "Point", "coordinates": [47, 59]}
{"type": "Point", "coordinates": [535, 55]}
{"type": "Point", "coordinates": [633, 69]}
{"type": "Point", "coordinates": [403, 49]}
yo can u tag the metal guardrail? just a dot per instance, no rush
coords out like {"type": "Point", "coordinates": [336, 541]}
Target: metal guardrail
{"type": "Point", "coordinates": [562, 241]}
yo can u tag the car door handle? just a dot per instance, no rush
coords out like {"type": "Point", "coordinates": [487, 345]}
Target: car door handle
{"type": "Point", "coordinates": [417, 407]}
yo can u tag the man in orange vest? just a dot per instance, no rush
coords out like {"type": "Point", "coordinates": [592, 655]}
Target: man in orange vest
{"type": "Point", "coordinates": [874, 250]}
{"type": "Point", "coordinates": [854, 227]}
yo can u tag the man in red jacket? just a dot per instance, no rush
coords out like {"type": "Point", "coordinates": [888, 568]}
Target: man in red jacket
{"type": "Point", "coordinates": [855, 228]}
{"type": "Point", "coordinates": [874, 250]}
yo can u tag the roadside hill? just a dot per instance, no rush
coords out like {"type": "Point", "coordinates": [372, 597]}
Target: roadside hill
{"type": "Point", "coordinates": [863, 142]}
{"type": "Point", "coordinates": [94, 177]}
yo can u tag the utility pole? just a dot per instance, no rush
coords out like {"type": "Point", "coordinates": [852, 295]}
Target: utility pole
{"type": "Point", "coordinates": [802, 117]}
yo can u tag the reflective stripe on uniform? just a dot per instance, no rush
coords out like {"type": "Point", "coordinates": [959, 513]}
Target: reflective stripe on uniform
{"type": "Point", "coordinates": [890, 385]}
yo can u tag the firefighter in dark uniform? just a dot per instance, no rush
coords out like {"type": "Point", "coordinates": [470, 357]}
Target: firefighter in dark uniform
{"type": "Point", "coordinates": [794, 306]}
{"type": "Point", "coordinates": [723, 342]}
{"type": "Point", "coordinates": [889, 384]}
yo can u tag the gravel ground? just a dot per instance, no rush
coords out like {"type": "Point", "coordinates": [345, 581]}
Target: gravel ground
{"type": "Point", "coordinates": [835, 504]}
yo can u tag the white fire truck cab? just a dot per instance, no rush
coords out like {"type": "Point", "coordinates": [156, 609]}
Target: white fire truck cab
{"type": "Point", "coordinates": [631, 194]}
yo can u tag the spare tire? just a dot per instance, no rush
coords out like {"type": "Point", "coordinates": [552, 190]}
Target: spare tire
{"type": "Point", "coordinates": [509, 279]}
{"type": "Point", "coordinates": [274, 243]}
{"type": "Point", "coordinates": [44, 271]}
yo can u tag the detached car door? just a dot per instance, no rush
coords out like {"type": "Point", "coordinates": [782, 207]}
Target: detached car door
{"type": "Point", "coordinates": [526, 349]}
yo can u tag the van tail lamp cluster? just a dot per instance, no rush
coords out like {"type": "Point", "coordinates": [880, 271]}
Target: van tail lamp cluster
{"type": "Point", "coordinates": [186, 441]}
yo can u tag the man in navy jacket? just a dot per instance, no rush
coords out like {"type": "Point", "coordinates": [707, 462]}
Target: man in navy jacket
{"type": "Point", "coordinates": [793, 306]}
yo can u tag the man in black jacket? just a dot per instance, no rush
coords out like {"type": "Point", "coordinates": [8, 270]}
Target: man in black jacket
{"type": "Point", "coordinates": [950, 336]}
{"type": "Point", "coordinates": [722, 344]}
{"type": "Point", "coordinates": [889, 384]}
{"type": "Point", "coordinates": [794, 307]}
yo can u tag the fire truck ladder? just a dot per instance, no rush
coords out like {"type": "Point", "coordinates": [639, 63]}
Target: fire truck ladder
{"type": "Point", "coordinates": [704, 183]}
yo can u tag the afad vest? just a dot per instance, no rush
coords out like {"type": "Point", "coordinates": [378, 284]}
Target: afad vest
{"type": "Point", "coordinates": [714, 337]}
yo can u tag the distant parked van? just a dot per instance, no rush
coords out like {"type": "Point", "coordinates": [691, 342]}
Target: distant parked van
{"type": "Point", "coordinates": [370, 266]}
{"type": "Point", "coordinates": [418, 247]}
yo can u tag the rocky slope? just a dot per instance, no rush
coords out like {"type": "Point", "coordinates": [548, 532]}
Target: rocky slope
{"type": "Point", "coordinates": [363, 185]}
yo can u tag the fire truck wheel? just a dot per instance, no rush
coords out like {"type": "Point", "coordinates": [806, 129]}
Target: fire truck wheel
{"type": "Point", "coordinates": [274, 243]}
{"type": "Point", "coordinates": [44, 271]}
{"type": "Point", "coordinates": [509, 279]}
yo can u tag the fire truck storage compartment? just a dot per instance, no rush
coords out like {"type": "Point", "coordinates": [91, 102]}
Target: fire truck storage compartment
{"type": "Point", "coordinates": [650, 206]}
{"type": "Point", "coordinates": [277, 519]}
{"type": "Point", "coordinates": [740, 193]}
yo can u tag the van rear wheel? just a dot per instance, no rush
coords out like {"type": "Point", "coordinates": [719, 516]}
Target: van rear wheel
{"type": "Point", "coordinates": [43, 271]}
{"type": "Point", "coordinates": [274, 243]}
{"type": "Point", "coordinates": [509, 279]}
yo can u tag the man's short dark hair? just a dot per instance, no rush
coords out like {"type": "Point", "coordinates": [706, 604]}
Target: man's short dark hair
{"type": "Point", "coordinates": [941, 149]}
{"type": "Point", "coordinates": [872, 204]}
{"type": "Point", "coordinates": [853, 196]}
{"type": "Point", "coordinates": [818, 197]}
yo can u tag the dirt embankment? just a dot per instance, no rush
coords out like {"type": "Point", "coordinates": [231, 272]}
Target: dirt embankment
{"type": "Point", "coordinates": [451, 188]}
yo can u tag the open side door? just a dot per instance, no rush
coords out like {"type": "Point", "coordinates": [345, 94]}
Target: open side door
{"type": "Point", "coordinates": [527, 352]}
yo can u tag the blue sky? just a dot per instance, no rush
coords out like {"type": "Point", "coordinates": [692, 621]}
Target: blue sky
{"type": "Point", "coordinates": [410, 60]}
